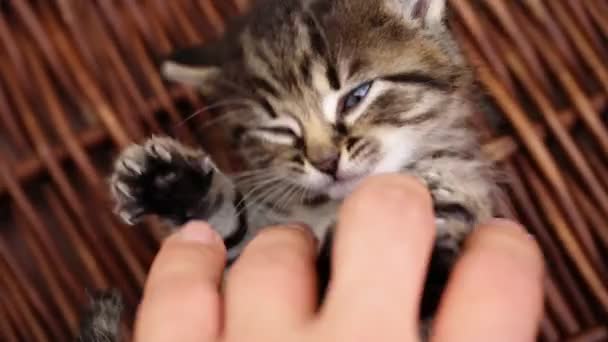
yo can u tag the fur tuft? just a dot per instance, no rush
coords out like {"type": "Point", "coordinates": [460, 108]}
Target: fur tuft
{"type": "Point", "coordinates": [101, 322]}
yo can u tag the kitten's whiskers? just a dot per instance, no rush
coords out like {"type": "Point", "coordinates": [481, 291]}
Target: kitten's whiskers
{"type": "Point", "coordinates": [220, 104]}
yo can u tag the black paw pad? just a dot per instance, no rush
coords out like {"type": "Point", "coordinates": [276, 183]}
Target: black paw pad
{"type": "Point", "coordinates": [161, 177]}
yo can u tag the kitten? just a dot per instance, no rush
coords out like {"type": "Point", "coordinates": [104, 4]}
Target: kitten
{"type": "Point", "coordinates": [316, 95]}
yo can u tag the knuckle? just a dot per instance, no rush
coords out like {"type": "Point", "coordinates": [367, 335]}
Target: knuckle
{"type": "Point", "coordinates": [198, 292]}
{"type": "Point", "coordinates": [279, 236]}
{"type": "Point", "coordinates": [396, 194]}
{"type": "Point", "coordinates": [510, 242]}
{"type": "Point", "coordinates": [278, 249]}
{"type": "Point", "coordinates": [396, 188]}
{"type": "Point", "coordinates": [283, 259]}
{"type": "Point", "coordinates": [198, 224]}
{"type": "Point", "coordinates": [259, 267]}
{"type": "Point", "coordinates": [189, 290]}
{"type": "Point", "coordinates": [177, 257]}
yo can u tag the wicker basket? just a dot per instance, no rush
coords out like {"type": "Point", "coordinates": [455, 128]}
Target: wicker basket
{"type": "Point", "coordinates": [79, 81]}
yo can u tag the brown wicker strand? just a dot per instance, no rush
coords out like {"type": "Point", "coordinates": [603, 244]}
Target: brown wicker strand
{"type": "Point", "coordinates": [79, 80]}
{"type": "Point", "coordinates": [545, 161]}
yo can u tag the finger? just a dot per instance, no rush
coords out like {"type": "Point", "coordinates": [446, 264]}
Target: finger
{"type": "Point", "coordinates": [272, 284]}
{"type": "Point", "coordinates": [495, 291]}
{"type": "Point", "coordinates": [181, 300]}
{"type": "Point", "coordinates": [382, 246]}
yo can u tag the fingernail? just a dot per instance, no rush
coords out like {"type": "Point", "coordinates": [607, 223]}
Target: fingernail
{"type": "Point", "coordinates": [302, 227]}
{"type": "Point", "coordinates": [503, 223]}
{"type": "Point", "coordinates": [298, 225]}
{"type": "Point", "coordinates": [306, 229]}
{"type": "Point", "coordinates": [292, 225]}
{"type": "Point", "coordinates": [200, 232]}
{"type": "Point", "coordinates": [509, 224]}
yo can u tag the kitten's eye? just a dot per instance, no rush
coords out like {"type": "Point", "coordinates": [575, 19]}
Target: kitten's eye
{"type": "Point", "coordinates": [279, 130]}
{"type": "Point", "coordinates": [276, 134]}
{"type": "Point", "coordinates": [352, 99]}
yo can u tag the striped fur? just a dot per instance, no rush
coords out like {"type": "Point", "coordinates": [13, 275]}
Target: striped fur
{"type": "Point", "coordinates": [316, 95]}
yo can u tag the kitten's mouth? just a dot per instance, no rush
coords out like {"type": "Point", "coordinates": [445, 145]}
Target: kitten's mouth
{"type": "Point", "coordinates": [343, 187]}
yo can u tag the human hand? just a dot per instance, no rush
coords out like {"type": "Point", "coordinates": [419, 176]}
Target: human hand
{"type": "Point", "coordinates": [382, 245]}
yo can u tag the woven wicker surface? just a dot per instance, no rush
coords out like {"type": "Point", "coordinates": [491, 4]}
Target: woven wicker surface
{"type": "Point", "coordinates": [79, 81]}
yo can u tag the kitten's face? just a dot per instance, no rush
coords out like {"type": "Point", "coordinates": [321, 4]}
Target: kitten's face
{"type": "Point", "coordinates": [326, 92]}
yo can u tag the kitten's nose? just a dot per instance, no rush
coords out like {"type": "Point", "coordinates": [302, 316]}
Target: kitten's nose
{"type": "Point", "coordinates": [328, 164]}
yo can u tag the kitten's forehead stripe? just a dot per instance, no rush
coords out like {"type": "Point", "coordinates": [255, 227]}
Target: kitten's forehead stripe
{"type": "Point", "coordinates": [305, 70]}
{"type": "Point", "coordinates": [333, 78]}
{"type": "Point", "coordinates": [419, 78]}
{"type": "Point", "coordinates": [268, 108]}
{"type": "Point", "coordinates": [265, 86]}
{"type": "Point", "coordinates": [356, 66]}
{"type": "Point", "coordinates": [318, 41]}
{"type": "Point", "coordinates": [320, 46]}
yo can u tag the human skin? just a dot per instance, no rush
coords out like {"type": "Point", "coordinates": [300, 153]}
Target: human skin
{"type": "Point", "coordinates": [382, 246]}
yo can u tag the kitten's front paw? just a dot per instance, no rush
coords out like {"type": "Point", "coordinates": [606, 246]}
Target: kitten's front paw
{"type": "Point", "coordinates": [160, 177]}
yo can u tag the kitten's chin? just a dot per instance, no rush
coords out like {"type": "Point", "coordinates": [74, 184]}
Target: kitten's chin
{"type": "Point", "coordinates": [341, 189]}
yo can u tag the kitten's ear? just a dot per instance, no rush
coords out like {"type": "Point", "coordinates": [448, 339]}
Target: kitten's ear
{"type": "Point", "coordinates": [195, 65]}
{"type": "Point", "coordinates": [431, 13]}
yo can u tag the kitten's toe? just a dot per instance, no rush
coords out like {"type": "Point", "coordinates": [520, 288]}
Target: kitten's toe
{"type": "Point", "coordinates": [122, 191]}
{"type": "Point", "coordinates": [160, 177]}
{"type": "Point", "coordinates": [132, 167]}
{"type": "Point", "coordinates": [132, 162]}
{"type": "Point", "coordinates": [130, 214]}
{"type": "Point", "coordinates": [161, 148]}
{"type": "Point", "coordinates": [126, 186]}
{"type": "Point", "coordinates": [128, 206]}
{"type": "Point", "coordinates": [206, 165]}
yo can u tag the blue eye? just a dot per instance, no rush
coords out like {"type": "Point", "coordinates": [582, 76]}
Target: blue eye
{"type": "Point", "coordinates": [352, 99]}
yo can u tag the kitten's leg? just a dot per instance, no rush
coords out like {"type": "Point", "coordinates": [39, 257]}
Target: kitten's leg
{"type": "Point", "coordinates": [101, 321]}
{"type": "Point", "coordinates": [459, 205]}
{"type": "Point", "coordinates": [175, 182]}
{"type": "Point", "coordinates": [460, 202]}
{"type": "Point", "coordinates": [453, 222]}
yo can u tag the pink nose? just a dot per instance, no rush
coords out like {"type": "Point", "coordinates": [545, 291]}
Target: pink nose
{"type": "Point", "coordinates": [328, 165]}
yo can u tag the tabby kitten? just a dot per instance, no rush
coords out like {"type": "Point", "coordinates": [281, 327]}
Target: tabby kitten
{"type": "Point", "coordinates": [316, 95]}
